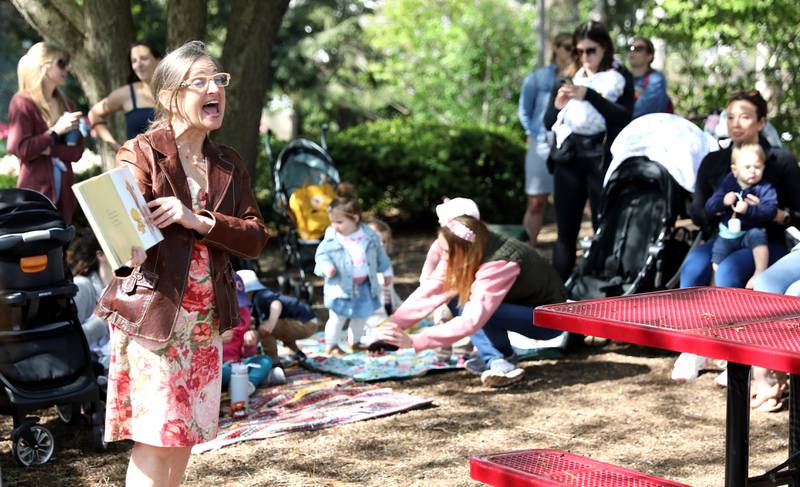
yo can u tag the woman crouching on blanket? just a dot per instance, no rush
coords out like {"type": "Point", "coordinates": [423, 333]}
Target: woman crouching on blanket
{"type": "Point", "coordinates": [498, 281]}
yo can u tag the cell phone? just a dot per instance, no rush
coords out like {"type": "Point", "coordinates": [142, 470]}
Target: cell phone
{"type": "Point", "coordinates": [566, 81]}
{"type": "Point", "coordinates": [381, 347]}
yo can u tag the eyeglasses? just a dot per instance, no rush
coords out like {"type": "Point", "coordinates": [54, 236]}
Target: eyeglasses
{"type": "Point", "coordinates": [637, 48]}
{"type": "Point", "coordinates": [566, 47]}
{"type": "Point", "coordinates": [589, 51]}
{"type": "Point", "coordinates": [201, 82]}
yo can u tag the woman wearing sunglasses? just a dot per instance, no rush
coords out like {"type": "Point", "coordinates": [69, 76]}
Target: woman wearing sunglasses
{"type": "Point", "coordinates": [39, 116]}
{"type": "Point", "coordinates": [585, 116]}
{"type": "Point", "coordinates": [168, 308]}
{"type": "Point", "coordinates": [534, 99]}
{"type": "Point", "coordinates": [135, 98]}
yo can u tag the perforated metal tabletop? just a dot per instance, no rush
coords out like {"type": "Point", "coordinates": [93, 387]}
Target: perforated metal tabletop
{"type": "Point", "coordinates": [738, 325]}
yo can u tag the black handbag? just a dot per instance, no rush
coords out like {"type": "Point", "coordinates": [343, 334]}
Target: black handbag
{"type": "Point", "coordinates": [562, 154]}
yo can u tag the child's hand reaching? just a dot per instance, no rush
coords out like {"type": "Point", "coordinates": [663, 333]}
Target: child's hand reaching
{"type": "Point", "coordinates": [741, 207]}
{"type": "Point", "coordinates": [729, 199]}
{"type": "Point", "coordinates": [250, 338]}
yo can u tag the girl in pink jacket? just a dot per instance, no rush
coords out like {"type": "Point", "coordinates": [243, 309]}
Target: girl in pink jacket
{"type": "Point", "coordinates": [497, 281]}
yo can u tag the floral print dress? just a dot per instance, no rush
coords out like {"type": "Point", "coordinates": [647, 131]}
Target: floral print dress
{"type": "Point", "coordinates": [168, 394]}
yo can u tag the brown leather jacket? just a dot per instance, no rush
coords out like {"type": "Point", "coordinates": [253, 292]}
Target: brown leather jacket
{"type": "Point", "coordinates": [144, 301]}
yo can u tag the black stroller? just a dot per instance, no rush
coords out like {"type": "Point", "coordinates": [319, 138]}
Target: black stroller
{"type": "Point", "coordinates": [637, 247]}
{"type": "Point", "coordinates": [305, 180]}
{"type": "Point", "coordinates": [44, 358]}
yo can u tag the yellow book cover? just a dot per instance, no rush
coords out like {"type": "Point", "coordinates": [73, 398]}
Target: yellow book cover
{"type": "Point", "coordinates": [117, 213]}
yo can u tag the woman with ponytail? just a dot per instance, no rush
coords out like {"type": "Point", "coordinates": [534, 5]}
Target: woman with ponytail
{"type": "Point", "coordinates": [497, 282]}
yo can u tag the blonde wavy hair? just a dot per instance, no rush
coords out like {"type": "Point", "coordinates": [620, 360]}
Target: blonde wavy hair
{"type": "Point", "coordinates": [31, 71]}
{"type": "Point", "coordinates": [463, 257]}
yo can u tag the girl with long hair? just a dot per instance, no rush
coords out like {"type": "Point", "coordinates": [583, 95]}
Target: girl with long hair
{"type": "Point", "coordinates": [497, 282]}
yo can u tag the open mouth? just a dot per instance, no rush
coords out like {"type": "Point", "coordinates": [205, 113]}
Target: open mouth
{"type": "Point", "coordinates": [211, 108]}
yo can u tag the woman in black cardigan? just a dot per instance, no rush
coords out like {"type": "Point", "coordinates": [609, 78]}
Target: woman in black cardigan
{"type": "Point", "coordinates": [579, 173]}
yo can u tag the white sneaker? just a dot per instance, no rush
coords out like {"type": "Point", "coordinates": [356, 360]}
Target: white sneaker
{"type": "Point", "coordinates": [687, 367]}
{"type": "Point", "coordinates": [501, 373]}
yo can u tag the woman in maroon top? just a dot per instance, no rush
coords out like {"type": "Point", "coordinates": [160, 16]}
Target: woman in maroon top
{"type": "Point", "coordinates": [39, 116]}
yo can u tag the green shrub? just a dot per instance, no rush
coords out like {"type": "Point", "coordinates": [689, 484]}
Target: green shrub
{"type": "Point", "coordinates": [402, 168]}
{"type": "Point", "coordinates": [8, 181]}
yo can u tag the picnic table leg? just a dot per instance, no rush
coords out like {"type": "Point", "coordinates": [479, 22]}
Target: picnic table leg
{"type": "Point", "coordinates": [737, 425]}
{"type": "Point", "coordinates": [794, 424]}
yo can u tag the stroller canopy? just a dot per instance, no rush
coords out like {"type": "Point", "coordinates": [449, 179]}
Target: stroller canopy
{"type": "Point", "coordinates": [303, 162]}
{"type": "Point", "coordinates": [672, 141]}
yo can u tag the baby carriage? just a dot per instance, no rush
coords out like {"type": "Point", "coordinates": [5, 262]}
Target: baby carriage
{"type": "Point", "coordinates": [305, 181]}
{"type": "Point", "coordinates": [637, 246]}
{"type": "Point", "coordinates": [44, 358]}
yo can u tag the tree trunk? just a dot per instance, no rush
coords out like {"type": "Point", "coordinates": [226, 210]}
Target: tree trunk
{"type": "Point", "coordinates": [96, 36]}
{"type": "Point", "coordinates": [186, 21]}
{"type": "Point", "coordinates": [247, 53]}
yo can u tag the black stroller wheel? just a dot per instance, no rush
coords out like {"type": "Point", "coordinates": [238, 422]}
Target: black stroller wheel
{"type": "Point", "coordinates": [98, 420]}
{"type": "Point", "coordinates": [35, 452]}
{"type": "Point", "coordinates": [69, 413]}
{"type": "Point", "coordinates": [99, 438]}
{"type": "Point", "coordinates": [308, 292]}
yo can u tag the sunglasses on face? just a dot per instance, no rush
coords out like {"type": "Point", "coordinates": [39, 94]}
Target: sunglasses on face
{"type": "Point", "coordinates": [201, 82]}
{"type": "Point", "coordinates": [637, 48]}
{"type": "Point", "coordinates": [60, 62]}
{"type": "Point", "coordinates": [566, 47]}
{"type": "Point", "coordinates": [589, 51]}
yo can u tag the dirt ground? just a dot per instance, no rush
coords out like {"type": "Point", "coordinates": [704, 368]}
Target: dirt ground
{"type": "Point", "coordinates": [615, 404]}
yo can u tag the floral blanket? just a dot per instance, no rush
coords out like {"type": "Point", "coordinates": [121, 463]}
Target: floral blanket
{"type": "Point", "coordinates": [401, 364]}
{"type": "Point", "coordinates": [308, 401]}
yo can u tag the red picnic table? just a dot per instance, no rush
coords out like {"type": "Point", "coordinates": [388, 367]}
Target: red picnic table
{"type": "Point", "coordinates": [741, 326]}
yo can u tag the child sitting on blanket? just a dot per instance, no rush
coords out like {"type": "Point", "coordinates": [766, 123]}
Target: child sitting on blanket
{"type": "Point", "coordinates": [240, 345]}
{"type": "Point", "coordinates": [279, 317]}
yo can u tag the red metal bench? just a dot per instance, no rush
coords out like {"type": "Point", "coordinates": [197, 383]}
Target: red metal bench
{"type": "Point", "coordinates": [556, 468]}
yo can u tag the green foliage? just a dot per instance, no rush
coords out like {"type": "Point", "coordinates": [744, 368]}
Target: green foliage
{"type": "Point", "coordinates": [723, 46]}
{"type": "Point", "coordinates": [403, 168]}
{"type": "Point", "coordinates": [452, 61]}
{"type": "Point", "coordinates": [320, 61]}
{"type": "Point", "coordinates": [8, 181]}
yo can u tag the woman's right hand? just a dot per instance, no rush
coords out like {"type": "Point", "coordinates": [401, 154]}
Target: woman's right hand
{"type": "Point", "coordinates": [66, 123]}
{"type": "Point", "coordinates": [562, 97]}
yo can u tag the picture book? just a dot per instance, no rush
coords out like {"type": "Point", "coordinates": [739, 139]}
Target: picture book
{"type": "Point", "coordinates": [117, 213]}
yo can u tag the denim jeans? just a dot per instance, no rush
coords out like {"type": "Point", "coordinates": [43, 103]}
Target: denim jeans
{"type": "Point", "coordinates": [783, 277]}
{"type": "Point", "coordinates": [256, 375]}
{"type": "Point", "coordinates": [734, 271]}
{"type": "Point", "coordinates": [492, 340]}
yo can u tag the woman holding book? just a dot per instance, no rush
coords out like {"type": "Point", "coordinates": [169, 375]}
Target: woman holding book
{"type": "Point", "coordinates": [39, 118]}
{"type": "Point", "coordinates": [168, 307]}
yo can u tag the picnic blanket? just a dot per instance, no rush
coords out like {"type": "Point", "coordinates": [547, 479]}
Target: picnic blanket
{"type": "Point", "coordinates": [308, 401]}
{"type": "Point", "coordinates": [401, 364]}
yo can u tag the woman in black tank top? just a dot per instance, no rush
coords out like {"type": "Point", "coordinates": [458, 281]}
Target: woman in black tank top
{"type": "Point", "coordinates": [135, 98]}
